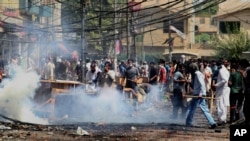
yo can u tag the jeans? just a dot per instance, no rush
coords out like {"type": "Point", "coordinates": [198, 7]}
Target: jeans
{"type": "Point", "coordinates": [192, 108]}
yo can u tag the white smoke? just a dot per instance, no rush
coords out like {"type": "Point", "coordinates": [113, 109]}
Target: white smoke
{"type": "Point", "coordinates": [111, 106]}
{"type": "Point", "coordinates": [17, 94]}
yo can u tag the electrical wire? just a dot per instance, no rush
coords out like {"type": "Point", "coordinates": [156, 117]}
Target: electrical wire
{"type": "Point", "coordinates": [149, 23]}
{"type": "Point", "coordinates": [175, 16]}
{"type": "Point", "coordinates": [144, 22]}
{"type": "Point", "coordinates": [111, 36]}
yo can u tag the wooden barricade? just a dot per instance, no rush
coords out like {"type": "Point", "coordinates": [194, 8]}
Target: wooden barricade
{"type": "Point", "coordinates": [59, 91]}
{"type": "Point", "coordinates": [51, 102]}
{"type": "Point", "coordinates": [122, 81]}
{"type": "Point", "coordinates": [56, 91]}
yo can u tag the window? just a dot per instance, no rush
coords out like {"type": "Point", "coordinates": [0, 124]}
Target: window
{"type": "Point", "coordinates": [214, 22]}
{"type": "Point", "coordinates": [202, 20]}
{"type": "Point", "coordinates": [229, 27]}
{"type": "Point", "coordinates": [196, 28]}
{"type": "Point", "coordinates": [179, 25]}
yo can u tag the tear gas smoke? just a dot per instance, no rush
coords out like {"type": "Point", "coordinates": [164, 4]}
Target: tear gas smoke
{"type": "Point", "coordinates": [16, 96]}
{"type": "Point", "coordinates": [111, 107]}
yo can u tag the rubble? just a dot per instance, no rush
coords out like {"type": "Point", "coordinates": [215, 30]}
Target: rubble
{"type": "Point", "coordinates": [111, 132]}
{"type": "Point", "coordinates": [11, 129]}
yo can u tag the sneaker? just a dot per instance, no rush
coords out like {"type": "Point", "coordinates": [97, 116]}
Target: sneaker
{"type": "Point", "coordinates": [213, 126]}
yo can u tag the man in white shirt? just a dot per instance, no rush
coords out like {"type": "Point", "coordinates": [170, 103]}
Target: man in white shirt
{"type": "Point", "coordinates": [48, 69]}
{"type": "Point", "coordinates": [93, 73]}
{"type": "Point", "coordinates": [207, 71]}
{"type": "Point", "coordinates": [222, 93]}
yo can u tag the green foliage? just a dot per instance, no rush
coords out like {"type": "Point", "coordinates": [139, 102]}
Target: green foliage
{"type": "Point", "coordinates": [209, 11]}
{"type": "Point", "coordinates": [231, 45]}
{"type": "Point", "coordinates": [230, 27]}
{"type": "Point", "coordinates": [202, 38]}
{"type": "Point", "coordinates": [99, 23]}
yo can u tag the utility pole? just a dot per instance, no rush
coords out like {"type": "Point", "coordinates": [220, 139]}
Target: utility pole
{"type": "Point", "coordinates": [170, 41]}
{"type": "Point", "coordinates": [142, 46]}
{"type": "Point", "coordinates": [128, 30]}
{"type": "Point", "coordinates": [135, 7]}
{"type": "Point", "coordinates": [192, 25]}
{"type": "Point", "coordinates": [134, 42]}
{"type": "Point", "coordinates": [83, 42]}
{"type": "Point", "coordinates": [115, 40]}
{"type": "Point", "coordinates": [134, 38]}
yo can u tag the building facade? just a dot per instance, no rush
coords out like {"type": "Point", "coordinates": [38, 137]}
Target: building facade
{"type": "Point", "coordinates": [154, 19]}
{"type": "Point", "coordinates": [29, 28]}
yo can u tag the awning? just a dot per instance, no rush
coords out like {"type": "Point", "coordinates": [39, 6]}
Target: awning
{"type": "Point", "coordinates": [192, 52]}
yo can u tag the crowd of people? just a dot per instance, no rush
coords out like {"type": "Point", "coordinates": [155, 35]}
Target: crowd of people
{"type": "Point", "coordinates": [227, 80]}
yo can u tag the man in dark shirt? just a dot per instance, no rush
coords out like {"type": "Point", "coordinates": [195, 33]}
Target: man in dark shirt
{"type": "Point", "coordinates": [178, 99]}
{"type": "Point", "coordinates": [131, 75]}
{"type": "Point", "coordinates": [236, 94]}
{"type": "Point", "coordinates": [107, 76]}
{"type": "Point", "coordinates": [153, 74]}
{"type": "Point", "coordinates": [246, 79]}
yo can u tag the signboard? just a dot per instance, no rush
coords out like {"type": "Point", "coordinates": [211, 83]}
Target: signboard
{"type": "Point", "coordinates": [182, 35]}
{"type": "Point", "coordinates": [10, 12]}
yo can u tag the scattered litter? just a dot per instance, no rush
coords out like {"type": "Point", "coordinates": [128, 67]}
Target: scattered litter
{"type": "Point", "coordinates": [81, 132]}
{"type": "Point", "coordinates": [50, 133]}
{"type": "Point", "coordinates": [133, 128]}
{"type": "Point", "coordinates": [4, 127]}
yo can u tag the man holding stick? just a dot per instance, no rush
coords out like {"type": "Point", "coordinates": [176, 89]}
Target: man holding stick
{"type": "Point", "coordinates": [199, 90]}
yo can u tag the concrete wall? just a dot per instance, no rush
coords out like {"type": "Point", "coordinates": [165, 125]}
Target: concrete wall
{"type": "Point", "coordinates": [206, 26]}
{"type": "Point", "coordinates": [156, 37]}
{"type": "Point", "coordinates": [242, 16]}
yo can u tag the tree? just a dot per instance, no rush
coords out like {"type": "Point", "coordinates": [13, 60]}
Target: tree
{"type": "Point", "coordinates": [208, 11]}
{"type": "Point", "coordinates": [202, 38]}
{"type": "Point", "coordinates": [231, 45]}
{"type": "Point", "coordinates": [99, 22]}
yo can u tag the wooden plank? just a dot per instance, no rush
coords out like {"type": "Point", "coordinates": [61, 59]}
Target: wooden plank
{"type": "Point", "coordinates": [59, 91]}
{"type": "Point", "coordinates": [62, 81]}
{"type": "Point", "coordinates": [122, 81]}
{"type": "Point", "coordinates": [212, 102]}
{"type": "Point", "coordinates": [191, 96]}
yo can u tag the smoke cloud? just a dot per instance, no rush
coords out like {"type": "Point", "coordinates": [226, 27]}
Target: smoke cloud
{"type": "Point", "coordinates": [16, 95]}
{"type": "Point", "coordinates": [110, 106]}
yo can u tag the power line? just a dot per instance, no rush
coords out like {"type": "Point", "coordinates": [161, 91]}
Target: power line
{"type": "Point", "coordinates": [175, 16]}
{"type": "Point", "coordinates": [147, 23]}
